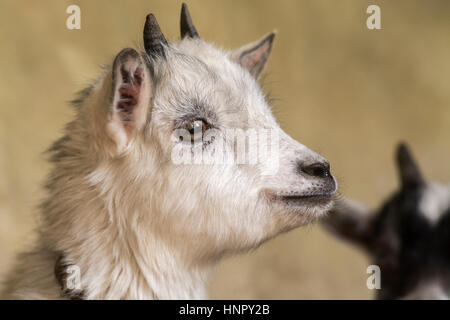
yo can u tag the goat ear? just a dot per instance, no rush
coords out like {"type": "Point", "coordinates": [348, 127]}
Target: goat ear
{"type": "Point", "coordinates": [253, 56]}
{"type": "Point", "coordinates": [351, 221]}
{"type": "Point", "coordinates": [130, 97]}
{"type": "Point", "coordinates": [408, 169]}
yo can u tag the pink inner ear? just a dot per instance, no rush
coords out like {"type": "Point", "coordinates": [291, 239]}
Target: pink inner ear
{"type": "Point", "coordinates": [129, 92]}
{"type": "Point", "coordinates": [257, 56]}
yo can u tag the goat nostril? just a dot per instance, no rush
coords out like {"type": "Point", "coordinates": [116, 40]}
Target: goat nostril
{"type": "Point", "coordinates": [319, 170]}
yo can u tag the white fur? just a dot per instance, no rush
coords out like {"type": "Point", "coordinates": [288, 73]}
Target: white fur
{"type": "Point", "coordinates": [139, 226]}
{"type": "Point", "coordinates": [428, 290]}
{"type": "Point", "coordinates": [435, 201]}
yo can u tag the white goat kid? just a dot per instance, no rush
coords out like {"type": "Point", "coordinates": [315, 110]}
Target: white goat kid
{"type": "Point", "coordinates": [136, 224]}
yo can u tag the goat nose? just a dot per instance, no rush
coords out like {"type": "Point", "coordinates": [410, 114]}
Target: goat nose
{"type": "Point", "coordinates": [318, 170]}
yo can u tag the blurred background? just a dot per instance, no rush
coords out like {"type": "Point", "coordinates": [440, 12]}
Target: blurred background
{"type": "Point", "coordinates": [345, 91]}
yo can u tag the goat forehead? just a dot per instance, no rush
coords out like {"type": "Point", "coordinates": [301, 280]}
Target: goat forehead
{"type": "Point", "coordinates": [414, 219]}
{"type": "Point", "coordinates": [435, 201]}
{"type": "Point", "coordinates": [198, 73]}
{"type": "Point", "coordinates": [205, 52]}
{"type": "Point", "coordinates": [196, 56]}
{"type": "Point", "coordinates": [429, 202]}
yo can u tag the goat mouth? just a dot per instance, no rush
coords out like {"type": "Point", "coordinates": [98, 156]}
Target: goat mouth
{"type": "Point", "coordinates": [307, 200]}
{"type": "Point", "coordinates": [303, 200]}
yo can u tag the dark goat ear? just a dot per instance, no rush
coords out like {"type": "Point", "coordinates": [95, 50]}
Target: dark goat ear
{"type": "Point", "coordinates": [408, 169]}
{"type": "Point", "coordinates": [154, 40]}
{"type": "Point", "coordinates": [187, 28]}
{"type": "Point", "coordinates": [351, 221]}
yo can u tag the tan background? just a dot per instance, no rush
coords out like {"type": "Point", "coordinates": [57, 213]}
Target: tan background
{"type": "Point", "coordinates": [341, 89]}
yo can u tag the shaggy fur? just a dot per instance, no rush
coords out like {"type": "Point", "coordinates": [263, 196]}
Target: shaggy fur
{"type": "Point", "coordinates": [138, 225]}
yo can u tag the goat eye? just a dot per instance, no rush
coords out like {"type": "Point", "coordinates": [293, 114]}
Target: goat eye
{"type": "Point", "coordinates": [196, 129]}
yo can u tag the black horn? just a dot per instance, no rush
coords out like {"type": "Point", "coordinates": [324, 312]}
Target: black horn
{"type": "Point", "coordinates": [408, 169]}
{"type": "Point", "coordinates": [186, 27]}
{"type": "Point", "coordinates": [154, 40]}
